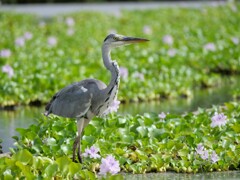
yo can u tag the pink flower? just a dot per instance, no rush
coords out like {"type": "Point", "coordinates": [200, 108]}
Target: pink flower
{"type": "Point", "coordinates": [235, 40]}
{"type": "Point", "coordinates": [214, 157]}
{"type": "Point", "coordinates": [70, 21]}
{"type": "Point", "coordinates": [200, 149]}
{"type": "Point", "coordinates": [123, 72]}
{"type": "Point", "coordinates": [8, 69]}
{"type": "Point", "coordinates": [138, 75]}
{"type": "Point", "coordinates": [28, 35]}
{"type": "Point", "coordinates": [205, 155]}
{"type": "Point", "coordinates": [209, 47]}
{"type": "Point", "coordinates": [5, 53]}
{"type": "Point", "coordinates": [92, 152]}
{"type": "Point", "coordinates": [218, 120]}
{"type": "Point", "coordinates": [20, 41]}
{"type": "Point", "coordinates": [109, 165]}
{"type": "Point", "coordinates": [162, 115]}
{"type": "Point", "coordinates": [202, 152]}
{"type": "Point", "coordinates": [147, 30]}
{"type": "Point", "coordinates": [168, 39]}
{"type": "Point", "coordinates": [52, 41]}
{"type": "Point", "coordinates": [171, 52]}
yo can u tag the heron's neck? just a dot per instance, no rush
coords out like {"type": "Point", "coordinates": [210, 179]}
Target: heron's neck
{"type": "Point", "coordinates": [112, 66]}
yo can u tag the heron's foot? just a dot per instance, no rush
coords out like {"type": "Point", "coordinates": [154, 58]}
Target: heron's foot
{"type": "Point", "coordinates": [75, 144]}
{"type": "Point", "coordinates": [79, 155]}
{"type": "Point", "coordinates": [79, 158]}
{"type": "Point", "coordinates": [74, 158]}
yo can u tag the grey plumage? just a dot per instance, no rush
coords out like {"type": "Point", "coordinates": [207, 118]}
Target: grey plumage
{"type": "Point", "coordinates": [75, 100]}
{"type": "Point", "coordinates": [90, 97]}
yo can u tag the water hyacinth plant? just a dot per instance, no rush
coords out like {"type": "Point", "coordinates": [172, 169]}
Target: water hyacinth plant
{"type": "Point", "coordinates": [204, 154]}
{"type": "Point", "coordinates": [52, 41]}
{"type": "Point", "coordinates": [8, 70]}
{"type": "Point", "coordinates": [70, 21]}
{"type": "Point", "coordinates": [218, 120]}
{"type": "Point", "coordinates": [132, 144]}
{"type": "Point", "coordinates": [136, 142]}
{"type": "Point", "coordinates": [20, 41]}
{"type": "Point", "coordinates": [5, 53]}
{"type": "Point", "coordinates": [209, 47]}
{"type": "Point", "coordinates": [123, 72]}
{"type": "Point", "coordinates": [91, 152]}
{"type": "Point", "coordinates": [109, 165]}
{"type": "Point", "coordinates": [167, 39]}
{"type": "Point", "coordinates": [162, 115]}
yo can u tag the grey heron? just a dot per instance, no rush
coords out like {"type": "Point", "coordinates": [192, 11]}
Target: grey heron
{"type": "Point", "coordinates": [90, 97]}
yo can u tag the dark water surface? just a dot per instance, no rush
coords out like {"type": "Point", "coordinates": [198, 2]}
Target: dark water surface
{"type": "Point", "coordinates": [228, 175]}
{"type": "Point", "coordinates": [22, 117]}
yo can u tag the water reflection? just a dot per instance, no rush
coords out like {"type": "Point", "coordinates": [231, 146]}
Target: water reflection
{"type": "Point", "coordinates": [24, 116]}
{"type": "Point", "coordinates": [10, 120]}
{"type": "Point", "coordinates": [201, 99]}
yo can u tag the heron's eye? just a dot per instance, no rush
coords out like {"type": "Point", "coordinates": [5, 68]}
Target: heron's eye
{"type": "Point", "coordinates": [115, 38]}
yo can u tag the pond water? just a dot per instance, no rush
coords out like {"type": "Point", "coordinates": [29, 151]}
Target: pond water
{"type": "Point", "coordinates": [22, 117]}
{"type": "Point", "coordinates": [228, 175]}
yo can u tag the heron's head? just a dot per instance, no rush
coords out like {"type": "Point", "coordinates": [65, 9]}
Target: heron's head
{"type": "Point", "coordinates": [116, 40]}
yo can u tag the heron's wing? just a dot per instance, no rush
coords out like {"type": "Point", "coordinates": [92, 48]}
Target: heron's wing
{"type": "Point", "coordinates": [72, 101]}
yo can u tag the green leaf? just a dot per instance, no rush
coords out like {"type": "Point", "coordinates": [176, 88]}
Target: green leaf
{"type": "Point", "coordinates": [89, 130]}
{"type": "Point", "coordinates": [51, 141]}
{"type": "Point", "coordinates": [155, 133]}
{"type": "Point", "coordinates": [85, 174]}
{"type": "Point", "coordinates": [7, 175]}
{"type": "Point", "coordinates": [63, 164]}
{"type": "Point", "coordinates": [74, 168]}
{"type": "Point", "coordinates": [24, 156]}
{"type": "Point", "coordinates": [10, 162]}
{"type": "Point", "coordinates": [51, 170]}
{"type": "Point", "coordinates": [127, 138]}
{"type": "Point", "coordinates": [142, 131]}
{"type": "Point", "coordinates": [148, 121]}
{"type": "Point", "coordinates": [183, 152]}
{"type": "Point", "coordinates": [236, 128]}
{"type": "Point", "coordinates": [229, 106]}
{"type": "Point", "coordinates": [89, 139]}
{"type": "Point", "coordinates": [45, 161]}
{"type": "Point", "coordinates": [66, 149]}
{"type": "Point", "coordinates": [25, 170]}
{"type": "Point", "coordinates": [122, 120]}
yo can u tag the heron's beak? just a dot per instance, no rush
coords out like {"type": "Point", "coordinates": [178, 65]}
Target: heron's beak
{"type": "Point", "coordinates": [133, 40]}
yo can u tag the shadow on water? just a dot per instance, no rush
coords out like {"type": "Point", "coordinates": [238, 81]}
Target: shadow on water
{"type": "Point", "coordinates": [24, 116]}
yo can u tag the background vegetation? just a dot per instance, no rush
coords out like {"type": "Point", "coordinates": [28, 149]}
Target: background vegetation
{"type": "Point", "coordinates": [187, 50]}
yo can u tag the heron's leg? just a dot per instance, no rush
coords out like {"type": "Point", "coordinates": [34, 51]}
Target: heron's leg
{"type": "Point", "coordinates": [79, 153]}
{"type": "Point", "coordinates": [77, 142]}
{"type": "Point", "coordinates": [86, 122]}
{"type": "Point", "coordinates": [82, 126]}
{"type": "Point", "coordinates": [75, 145]}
